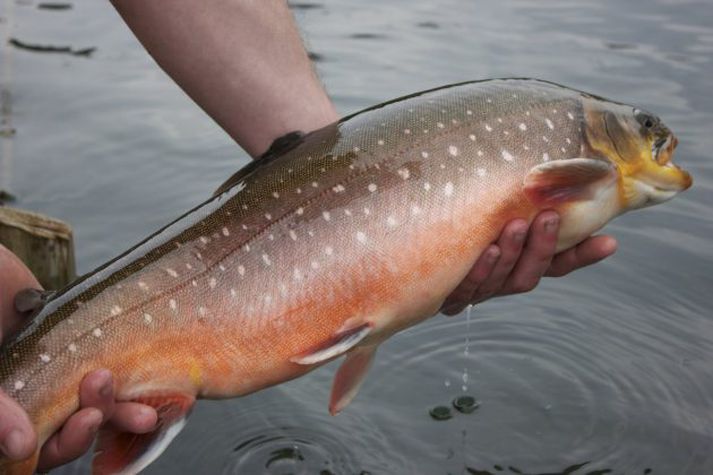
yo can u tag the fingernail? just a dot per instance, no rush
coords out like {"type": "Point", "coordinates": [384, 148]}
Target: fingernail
{"type": "Point", "coordinates": [13, 444]}
{"type": "Point", "coordinates": [493, 254]}
{"type": "Point", "coordinates": [93, 427]}
{"type": "Point", "coordinates": [106, 389]}
{"type": "Point", "coordinates": [551, 224]}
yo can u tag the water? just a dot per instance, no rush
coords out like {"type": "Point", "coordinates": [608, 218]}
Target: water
{"type": "Point", "coordinates": [609, 366]}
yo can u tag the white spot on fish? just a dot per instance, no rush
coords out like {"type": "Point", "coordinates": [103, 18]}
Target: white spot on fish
{"type": "Point", "coordinates": [372, 187]}
{"type": "Point", "coordinates": [293, 235]}
{"type": "Point", "coordinates": [266, 259]}
{"type": "Point", "coordinates": [171, 272]}
{"type": "Point", "coordinates": [298, 191]}
{"type": "Point", "coordinates": [245, 206]}
{"type": "Point", "coordinates": [268, 216]}
{"type": "Point", "coordinates": [505, 132]}
{"type": "Point", "coordinates": [45, 358]}
{"type": "Point", "coordinates": [448, 189]}
{"type": "Point", "coordinates": [526, 147]}
{"type": "Point", "coordinates": [415, 209]}
{"type": "Point", "coordinates": [172, 303]}
{"type": "Point", "coordinates": [545, 157]}
{"type": "Point", "coordinates": [268, 299]}
{"type": "Point", "coordinates": [314, 265]}
{"type": "Point", "coordinates": [440, 125]}
{"type": "Point", "coordinates": [72, 347]}
{"type": "Point", "coordinates": [356, 149]}
{"type": "Point", "coordinates": [148, 318]}
{"type": "Point", "coordinates": [488, 128]}
{"type": "Point", "coordinates": [427, 186]}
{"type": "Point", "coordinates": [568, 140]}
{"type": "Point", "coordinates": [241, 270]}
{"type": "Point", "coordinates": [403, 173]}
{"type": "Point", "coordinates": [189, 266]}
{"type": "Point", "coordinates": [338, 189]}
{"type": "Point", "coordinates": [326, 215]}
{"type": "Point", "coordinates": [391, 221]}
{"type": "Point", "coordinates": [97, 332]}
{"type": "Point", "coordinates": [545, 139]}
{"type": "Point", "coordinates": [570, 116]}
{"type": "Point", "coordinates": [480, 153]}
{"type": "Point", "coordinates": [366, 211]}
{"type": "Point", "coordinates": [500, 120]}
{"type": "Point", "coordinates": [361, 237]}
{"type": "Point", "coordinates": [507, 156]}
{"type": "Point", "coordinates": [453, 150]}
{"type": "Point", "coordinates": [380, 142]}
{"type": "Point", "coordinates": [522, 126]}
{"type": "Point", "coordinates": [550, 124]}
{"type": "Point", "coordinates": [489, 100]}
{"type": "Point", "coordinates": [194, 283]}
{"type": "Point", "coordinates": [469, 112]}
{"type": "Point", "coordinates": [315, 184]}
{"type": "Point", "coordinates": [554, 111]}
{"type": "Point", "coordinates": [143, 285]}
{"type": "Point", "coordinates": [204, 239]}
{"type": "Point", "coordinates": [244, 227]}
{"type": "Point", "coordinates": [442, 166]}
{"type": "Point", "coordinates": [527, 113]}
{"type": "Point", "coordinates": [202, 311]}
{"type": "Point", "coordinates": [300, 210]}
{"type": "Point", "coordinates": [233, 293]}
{"type": "Point", "coordinates": [347, 212]}
{"type": "Point", "coordinates": [296, 274]}
{"type": "Point", "coordinates": [115, 310]}
{"type": "Point", "coordinates": [328, 250]}
{"type": "Point", "coordinates": [246, 248]}
{"type": "Point", "coordinates": [480, 171]}
{"type": "Point", "coordinates": [275, 194]}
{"type": "Point", "coordinates": [424, 154]}
{"type": "Point", "coordinates": [407, 131]}
{"type": "Point", "coordinates": [563, 149]}
{"type": "Point", "coordinates": [19, 385]}
{"type": "Point", "coordinates": [472, 137]}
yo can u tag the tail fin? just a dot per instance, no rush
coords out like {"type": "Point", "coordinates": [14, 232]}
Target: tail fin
{"type": "Point", "coordinates": [124, 453]}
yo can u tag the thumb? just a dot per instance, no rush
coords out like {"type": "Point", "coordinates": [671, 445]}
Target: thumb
{"type": "Point", "coordinates": [17, 438]}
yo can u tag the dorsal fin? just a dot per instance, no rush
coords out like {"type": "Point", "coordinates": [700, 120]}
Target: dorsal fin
{"type": "Point", "coordinates": [279, 146]}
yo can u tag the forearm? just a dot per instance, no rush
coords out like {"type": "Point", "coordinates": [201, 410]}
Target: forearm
{"type": "Point", "coordinates": [242, 61]}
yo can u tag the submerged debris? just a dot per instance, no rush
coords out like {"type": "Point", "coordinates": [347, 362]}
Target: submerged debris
{"type": "Point", "coordinates": [6, 197]}
{"type": "Point", "coordinates": [54, 6]}
{"type": "Point", "coordinates": [51, 49]}
{"type": "Point", "coordinates": [440, 413]}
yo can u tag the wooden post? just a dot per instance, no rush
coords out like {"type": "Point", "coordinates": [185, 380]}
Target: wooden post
{"type": "Point", "coordinates": [44, 244]}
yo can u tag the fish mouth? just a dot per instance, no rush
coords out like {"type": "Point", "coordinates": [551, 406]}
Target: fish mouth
{"type": "Point", "coordinates": [662, 150]}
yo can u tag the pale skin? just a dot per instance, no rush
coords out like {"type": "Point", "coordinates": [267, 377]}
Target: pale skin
{"type": "Point", "coordinates": [245, 65]}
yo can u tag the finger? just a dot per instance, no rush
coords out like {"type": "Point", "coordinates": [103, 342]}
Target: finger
{"type": "Point", "coordinates": [510, 243]}
{"type": "Point", "coordinates": [589, 251]}
{"type": "Point", "coordinates": [14, 276]}
{"type": "Point", "coordinates": [72, 440]}
{"type": "Point", "coordinates": [536, 256]}
{"type": "Point", "coordinates": [134, 417]}
{"type": "Point", "coordinates": [481, 270]}
{"type": "Point", "coordinates": [97, 391]}
{"type": "Point", "coordinates": [17, 438]}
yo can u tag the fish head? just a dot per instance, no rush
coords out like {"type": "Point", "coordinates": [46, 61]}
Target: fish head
{"type": "Point", "coordinates": [640, 145]}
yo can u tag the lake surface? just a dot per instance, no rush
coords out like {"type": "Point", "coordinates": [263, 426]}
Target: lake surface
{"type": "Point", "coordinates": [611, 367]}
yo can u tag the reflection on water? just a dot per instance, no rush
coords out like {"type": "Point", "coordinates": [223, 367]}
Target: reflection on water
{"type": "Point", "coordinates": [610, 366]}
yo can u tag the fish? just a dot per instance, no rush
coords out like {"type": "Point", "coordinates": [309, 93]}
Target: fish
{"type": "Point", "coordinates": [328, 246]}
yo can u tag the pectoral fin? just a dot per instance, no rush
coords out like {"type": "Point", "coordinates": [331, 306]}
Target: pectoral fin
{"type": "Point", "coordinates": [574, 179]}
{"type": "Point", "coordinates": [125, 453]}
{"type": "Point", "coordinates": [349, 377]}
{"type": "Point", "coordinates": [339, 344]}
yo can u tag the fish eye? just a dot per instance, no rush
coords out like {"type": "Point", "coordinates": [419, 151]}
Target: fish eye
{"type": "Point", "coordinates": [647, 120]}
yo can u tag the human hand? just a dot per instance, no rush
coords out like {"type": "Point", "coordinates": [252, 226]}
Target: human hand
{"type": "Point", "coordinates": [96, 393]}
{"type": "Point", "coordinates": [520, 258]}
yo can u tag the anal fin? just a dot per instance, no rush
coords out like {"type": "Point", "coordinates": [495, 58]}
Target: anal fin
{"type": "Point", "coordinates": [349, 377]}
{"type": "Point", "coordinates": [126, 453]}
